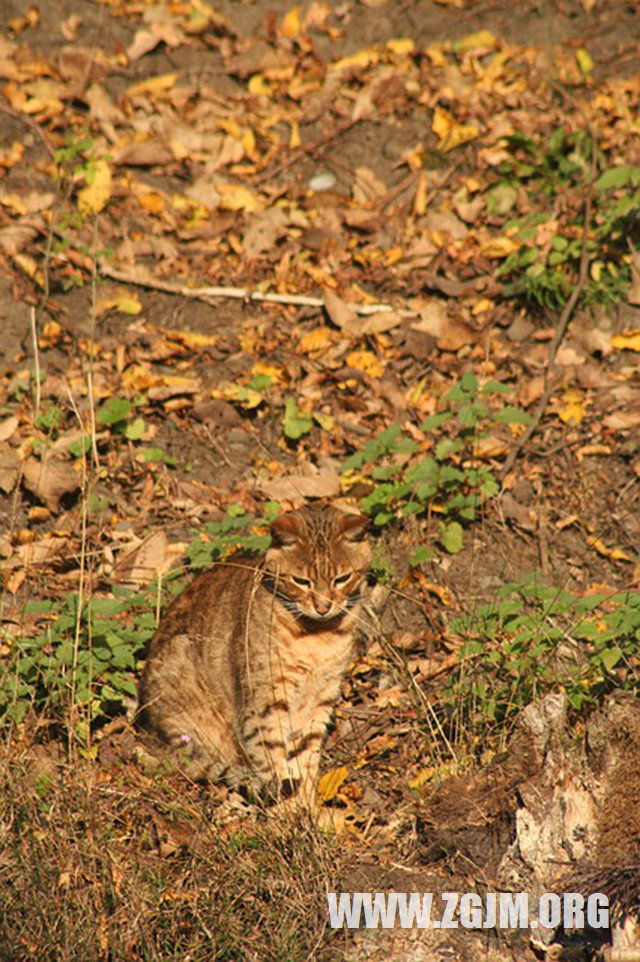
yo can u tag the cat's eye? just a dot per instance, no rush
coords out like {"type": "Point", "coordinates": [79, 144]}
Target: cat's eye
{"type": "Point", "coordinates": [301, 582]}
{"type": "Point", "coordinates": [341, 579]}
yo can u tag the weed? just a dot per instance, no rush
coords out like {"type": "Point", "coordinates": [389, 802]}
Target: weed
{"type": "Point", "coordinates": [92, 650]}
{"type": "Point", "coordinates": [537, 179]}
{"type": "Point", "coordinates": [532, 639]}
{"type": "Point", "coordinates": [451, 480]}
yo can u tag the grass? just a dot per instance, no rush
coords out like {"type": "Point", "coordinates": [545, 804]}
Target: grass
{"type": "Point", "coordinates": [121, 866]}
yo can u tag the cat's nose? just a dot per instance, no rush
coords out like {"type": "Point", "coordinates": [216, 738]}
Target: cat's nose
{"type": "Point", "coordinates": [321, 605]}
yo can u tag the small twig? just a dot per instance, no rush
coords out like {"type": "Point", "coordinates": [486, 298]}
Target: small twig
{"type": "Point", "coordinates": [210, 294]}
{"type": "Point", "coordinates": [36, 358]}
{"type": "Point", "coordinates": [308, 149]}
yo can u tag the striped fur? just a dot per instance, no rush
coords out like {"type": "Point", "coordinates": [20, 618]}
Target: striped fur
{"type": "Point", "coordinates": [246, 665]}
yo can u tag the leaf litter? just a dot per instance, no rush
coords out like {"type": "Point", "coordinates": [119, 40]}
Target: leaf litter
{"type": "Point", "coordinates": [259, 173]}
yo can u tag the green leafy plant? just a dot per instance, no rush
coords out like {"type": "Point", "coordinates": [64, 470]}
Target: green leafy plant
{"type": "Point", "coordinates": [534, 639]}
{"type": "Point", "coordinates": [84, 662]}
{"type": "Point", "coordinates": [538, 179]}
{"type": "Point", "coordinates": [442, 472]}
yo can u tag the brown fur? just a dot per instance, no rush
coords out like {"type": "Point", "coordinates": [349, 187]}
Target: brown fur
{"type": "Point", "coordinates": [246, 665]}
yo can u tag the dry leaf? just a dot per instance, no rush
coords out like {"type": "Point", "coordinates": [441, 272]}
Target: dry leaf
{"type": "Point", "coordinates": [297, 488]}
{"type": "Point", "coordinates": [572, 409]}
{"type": "Point", "coordinates": [329, 783]}
{"type": "Point", "coordinates": [319, 339]}
{"type": "Point", "coordinates": [365, 361]}
{"type": "Point", "coordinates": [627, 341]}
{"type": "Point", "coordinates": [616, 554]}
{"type": "Point", "coordinates": [340, 313]}
{"type": "Point", "coordinates": [449, 132]}
{"type": "Point", "coordinates": [146, 561]}
{"type": "Point", "coordinates": [450, 333]}
{"type": "Point", "coordinates": [50, 479]}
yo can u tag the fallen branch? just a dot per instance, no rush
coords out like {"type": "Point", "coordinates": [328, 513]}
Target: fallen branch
{"type": "Point", "coordinates": [211, 294]}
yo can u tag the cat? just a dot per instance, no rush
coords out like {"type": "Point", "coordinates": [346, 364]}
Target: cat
{"type": "Point", "coordinates": [246, 665]}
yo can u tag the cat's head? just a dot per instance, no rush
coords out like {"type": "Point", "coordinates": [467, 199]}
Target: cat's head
{"type": "Point", "coordinates": [320, 557]}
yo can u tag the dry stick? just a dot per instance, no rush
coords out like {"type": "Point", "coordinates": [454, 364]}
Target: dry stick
{"type": "Point", "coordinates": [36, 358]}
{"type": "Point", "coordinates": [561, 330]}
{"type": "Point", "coordinates": [210, 294]}
{"type": "Point", "coordinates": [309, 149]}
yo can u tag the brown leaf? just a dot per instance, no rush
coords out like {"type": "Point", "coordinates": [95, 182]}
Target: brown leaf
{"type": "Point", "coordinates": [9, 468]}
{"type": "Point", "coordinates": [50, 479]}
{"type": "Point", "coordinates": [340, 313]}
{"type": "Point", "coordinates": [146, 561]}
{"type": "Point", "coordinates": [450, 333]}
{"type": "Point", "coordinates": [297, 488]}
{"type": "Point", "coordinates": [149, 153]}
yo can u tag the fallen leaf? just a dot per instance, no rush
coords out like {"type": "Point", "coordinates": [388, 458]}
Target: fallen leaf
{"type": "Point", "coordinates": [329, 783]}
{"type": "Point", "coordinates": [449, 132]}
{"type": "Point", "coordinates": [146, 561]}
{"type": "Point", "coordinates": [319, 339]}
{"type": "Point", "coordinates": [95, 196]}
{"type": "Point", "coordinates": [9, 467]}
{"type": "Point", "coordinates": [572, 409]}
{"type": "Point", "coordinates": [339, 311]}
{"type": "Point", "coordinates": [50, 479]}
{"type": "Point", "coordinates": [365, 361]}
{"type": "Point", "coordinates": [297, 488]}
{"type": "Point", "coordinates": [627, 341]}
{"type": "Point", "coordinates": [616, 554]}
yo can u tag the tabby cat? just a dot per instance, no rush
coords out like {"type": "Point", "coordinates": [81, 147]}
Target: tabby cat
{"type": "Point", "coordinates": [246, 665]}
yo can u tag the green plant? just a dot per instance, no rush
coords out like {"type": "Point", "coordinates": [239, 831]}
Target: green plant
{"type": "Point", "coordinates": [440, 472]}
{"type": "Point", "coordinates": [533, 639]}
{"type": "Point", "coordinates": [83, 665]}
{"type": "Point", "coordinates": [544, 186]}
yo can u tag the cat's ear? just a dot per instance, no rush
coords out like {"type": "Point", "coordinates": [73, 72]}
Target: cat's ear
{"type": "Point", "coordinates": [353, 527]}
{"type": "Point", "coordinates": [285, 530]}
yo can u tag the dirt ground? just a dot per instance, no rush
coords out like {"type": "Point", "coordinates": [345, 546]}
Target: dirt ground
{"type": "Point", "coordinates": [573, 483]}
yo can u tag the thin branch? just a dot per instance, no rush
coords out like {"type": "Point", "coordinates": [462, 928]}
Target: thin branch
{"type": "Point", "coordinates": [210, 294]}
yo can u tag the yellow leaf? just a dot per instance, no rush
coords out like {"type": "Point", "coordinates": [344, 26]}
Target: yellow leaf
{"type": "Point", "coordinates": [291, 24]}
{"type": "Point", "coordinates": [153, 85]}
{"type": "Point", "coordinates": [245, 396]}
{"type": "Point", "coordinates": [482, 306]}
{"type": "Point", "coordinates": [450, 133]}
{"type": "Point", "coordinates": [616, 554]}
{"type": "Point", "coordinates": [424, 775]}
{"type": "Point", "coordinates": [481, 38]}
{"type": "Point", "coordinates": [355, 61]}
{"type": "Point", "coordinates": [191, 339]}
{"type": "Point", "coordinates": [152, 202]}
{"type": "Point", "coordinates": [122, 301]}
{"type": "Point", "coordinates": [269, 370]}
{"type": "Point", "coordinates": [627, 341]}
{"type": "Point", "coordinates": [95, 196]}
{"type": "Point", "coordinates": [584, 61]}
{"type": "Point", "coordinates": [573, 409]}
{"type": "Point", "coordinates": [329, 783]}
{"type": "Point", "coordinates": [401, 46]}
{"type": "Point", "coordinates": [365, 361]}
{"type": "Point", "coordinates": [294, 139]}
{"type": "Point", "coordinates": [258, 86]}
{"type": "Point", "coordinates": [51, 334]}
{"type": "Point", "coordinates": [317, 340]}
{"type": "Point", "coordinates": [420, 199]}
{"type": "Point", "coordinates": [325, 421]}
{"type": "Point", "coordinates": [139, 378]}
{"type": "Point", "coordinates": [237, 197]}
{"type": "Point", "coordinates": [497, 247]}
